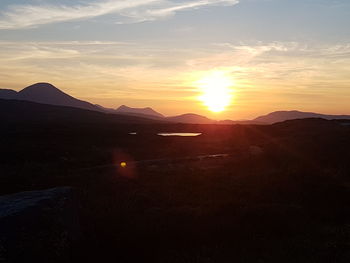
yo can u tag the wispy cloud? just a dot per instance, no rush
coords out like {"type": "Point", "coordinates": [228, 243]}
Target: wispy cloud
{"type": "Point", "coordinates": [277, 64]}
{"type": "Point", "coordinates": [167, 8]}
{"type": "Point", "coordinates": [26, 16]}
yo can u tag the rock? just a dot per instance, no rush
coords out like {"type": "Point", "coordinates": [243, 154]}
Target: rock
{"type": "Point", "coordinates": [38, 226]}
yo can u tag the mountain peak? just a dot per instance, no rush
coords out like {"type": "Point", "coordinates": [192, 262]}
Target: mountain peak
{"type": "Point", "coordinates": [41, 87]}
{"type": "Point", "coordinates": [122, 107]}
{"type": "Point", "coordinates": [47, 93]}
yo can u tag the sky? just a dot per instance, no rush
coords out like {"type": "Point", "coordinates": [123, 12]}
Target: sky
{"type": "Point", "coordinates": [279, 54]}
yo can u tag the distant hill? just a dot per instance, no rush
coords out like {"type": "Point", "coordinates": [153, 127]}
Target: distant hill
{"type": "Point", "coordinates": [279, 116]}
{"type": "Point", "coordinates": [190, 118]}
{"type": "Point", "coordinates": [16, 111]}
{"type": "Point", "coordinates": [8, 94]}
{"type": "Point", "coordinates": [231, 122]}
{"type": "Point", "coordinates": [138, 111]}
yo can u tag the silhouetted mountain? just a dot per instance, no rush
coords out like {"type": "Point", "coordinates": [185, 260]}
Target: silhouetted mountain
{"type": "Point", "coordinates": [279, 116]}
{"type": "Point", "coordinates": [49, 94]}
{"type": "Point", "coordinates": [46, 93]}
{"type": "Point", "coordinates": [8, 94]}
{"type": "Point", "coordinates": [16, 111]}
{"type": "Point", "coordinates": [138, 111]}
{"type": "Point", "coordinates": [190, 118]}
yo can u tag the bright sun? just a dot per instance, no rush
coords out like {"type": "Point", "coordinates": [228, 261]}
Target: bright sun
{"type": "Point", "coordinates": [215, 91]}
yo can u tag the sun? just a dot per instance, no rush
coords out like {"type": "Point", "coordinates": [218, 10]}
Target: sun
{"type": "Point", "coordinates": [215, 89]}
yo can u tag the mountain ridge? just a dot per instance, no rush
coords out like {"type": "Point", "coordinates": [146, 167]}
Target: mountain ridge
{"type": "Point", "coordinates": [279, 116]}
{"type": "Point", "coordinates": [21, 111]}
{"type": "Point", "coordinates": [46, 93]}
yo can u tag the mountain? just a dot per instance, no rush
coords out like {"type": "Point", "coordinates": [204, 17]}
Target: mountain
{"type": "Point", "coordinates": [8, 94]}
{"type": "Point", "coordinates": [46, 93]}
{"type": "Point", "coordinates": [17, 111]}
{"type": "Point", "coordinates": [190, 118]}
{"type": "Point", "coordinates": [49, 94]}
{"type": "Point", "coordinates": [138, 111]}
{"type": "Point", "coordinates": [279, 116]}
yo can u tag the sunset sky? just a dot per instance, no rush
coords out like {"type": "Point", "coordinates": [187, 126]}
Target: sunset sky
{"type": "Point", "coordinates": [279, 54]}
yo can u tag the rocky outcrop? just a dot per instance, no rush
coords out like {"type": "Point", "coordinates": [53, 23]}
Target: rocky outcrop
{"type": "Point", "coordinates": [38, 226]}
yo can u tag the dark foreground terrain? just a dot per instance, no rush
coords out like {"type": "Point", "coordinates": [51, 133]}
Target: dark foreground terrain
{"type": "Point", "coordinates": [282, 194]}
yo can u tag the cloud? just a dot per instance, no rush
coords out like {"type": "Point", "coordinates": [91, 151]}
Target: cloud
{"type": "Point", "coordinates": [22, 16]}
{"type": "Point", "coordinates": [29, 16]}
{"type": "Point", "coordinates": [277, 64]}
{"type": "Point", "coordinates": [167, 9]}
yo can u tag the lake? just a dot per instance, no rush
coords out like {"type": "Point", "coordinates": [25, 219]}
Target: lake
{"type": "Point", "coordinates": [183, 134]}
